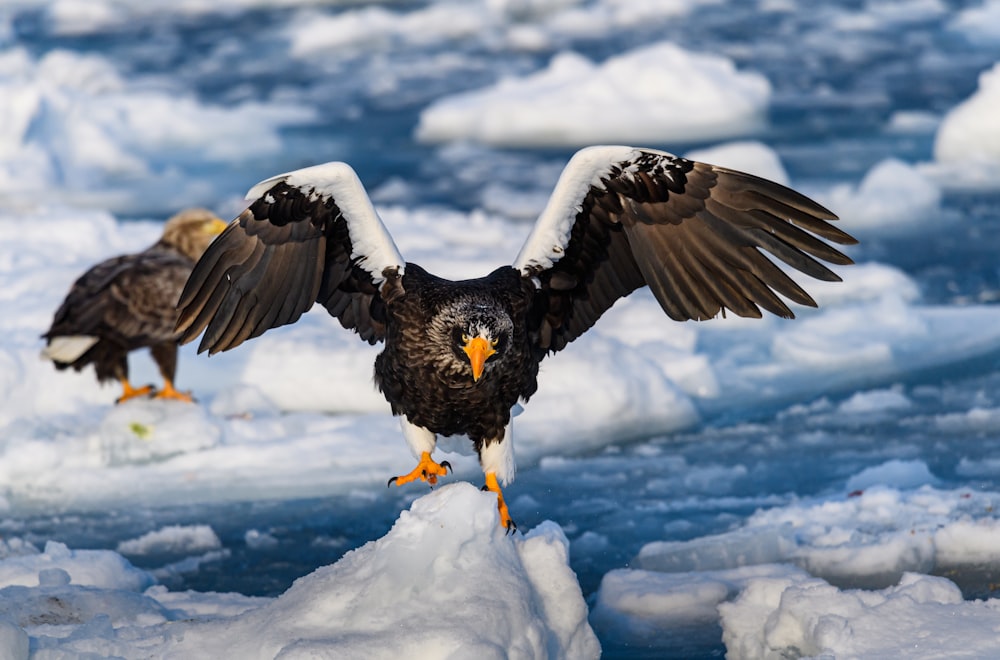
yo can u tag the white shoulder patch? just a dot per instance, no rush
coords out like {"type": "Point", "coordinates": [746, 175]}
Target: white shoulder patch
{"type": "Point", "coordinates": [373, 247]}
{"type": "Point", "coordinates": [547, 241]}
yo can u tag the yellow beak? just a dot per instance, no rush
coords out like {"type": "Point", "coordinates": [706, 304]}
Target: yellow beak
{"type": "Point", "coordinates": [478, 349]}
{"type": "Point", "coordinates": [216, 227]}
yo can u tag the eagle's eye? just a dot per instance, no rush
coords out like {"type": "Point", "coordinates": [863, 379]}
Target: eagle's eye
{"type": "Point", "coordinates": [465, 338]}
{"type": "Point", "coordinates": [494, 342]}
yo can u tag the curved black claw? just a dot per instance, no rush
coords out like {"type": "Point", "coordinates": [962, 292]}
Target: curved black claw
{"type": "Point", "coordinates": [391, 481]}
{"type": "Point", "coordinates": [447, 465]}
{"type": "Point", "coordinates": [484, 488]}
{"type": "Point", "coordinates": [511, 528]}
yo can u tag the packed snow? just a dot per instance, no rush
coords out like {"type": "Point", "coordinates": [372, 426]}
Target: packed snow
{"type": "Point", "coordinates": [823, 486]}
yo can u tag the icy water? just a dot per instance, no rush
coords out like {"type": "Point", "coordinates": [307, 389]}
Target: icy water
{"type": "Point", "coordinates": [852, 83]}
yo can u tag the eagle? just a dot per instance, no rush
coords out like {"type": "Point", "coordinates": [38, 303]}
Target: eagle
{"type": "Point", "coordinates": [460, 355]}
{"type": "Point", "coordinates": [130, 302]}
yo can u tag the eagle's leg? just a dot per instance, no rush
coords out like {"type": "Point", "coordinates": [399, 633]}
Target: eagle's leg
{"type": "Point", "coordinates": [129, 392]}
{"type": "Point", "coordinates": [427, 470]}
{"type": "Point", "coordinates": [421, 442]}
{"type": "Point", "coordinates": [165, 356]}
{"type": "Point", "coordinates": [496, 456]}
{"type": "Point", "coordinates": [505, 519]}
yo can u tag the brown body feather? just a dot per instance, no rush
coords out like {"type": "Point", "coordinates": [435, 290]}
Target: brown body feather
{"type": "Point", "coordinates": [129, 302]}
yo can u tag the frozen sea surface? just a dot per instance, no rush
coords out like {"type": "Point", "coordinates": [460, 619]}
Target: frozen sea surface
{"type": "Point", "coordinates": [751, 488]}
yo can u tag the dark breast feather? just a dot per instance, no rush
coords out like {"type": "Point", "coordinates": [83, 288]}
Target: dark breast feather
{"type": "Point", "coordinates": [408, 370]}
{"type": "Point", "coordinates": [695, 234]}
{"type": "Point", "coordinates": [285, 252]}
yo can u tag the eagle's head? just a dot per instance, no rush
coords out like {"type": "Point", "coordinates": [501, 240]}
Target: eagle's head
{"type": "Point", "coordinates": [479, 332]}
{"type": "Point", "coordinates": [191, 230]}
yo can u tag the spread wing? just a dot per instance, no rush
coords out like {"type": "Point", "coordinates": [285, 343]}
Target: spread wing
{"type": "Point", "coordinates": [621, 218]}
{"type": "Point", "coordinates": [311, 235]}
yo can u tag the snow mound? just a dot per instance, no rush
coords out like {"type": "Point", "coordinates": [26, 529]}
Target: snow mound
{"type": "Point", "coordinates": [445, 581]}
{"type": "Point", "coordinates": [967, 145]}
{"type": "Point", "coordinates": [655, 94]}
{"type": "Point", "coordinates": [920, 617]}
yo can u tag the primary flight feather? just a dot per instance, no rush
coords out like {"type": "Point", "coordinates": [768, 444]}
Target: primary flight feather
{"type": "Point", "coordinates": [459, 356]}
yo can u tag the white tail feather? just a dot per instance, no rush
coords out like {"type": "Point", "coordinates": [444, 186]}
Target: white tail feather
{"type": "Point", "coordinates": [68, 349]}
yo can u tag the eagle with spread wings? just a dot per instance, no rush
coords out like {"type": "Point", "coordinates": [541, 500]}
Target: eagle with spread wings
{"type": "Point", "coordinates": [460, 355]}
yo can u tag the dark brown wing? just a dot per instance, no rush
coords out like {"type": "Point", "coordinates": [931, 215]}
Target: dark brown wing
{"type": "Point", "coordinates": [129, 299]}
{"type": "Point", "coordinates": [696, 234]}
{"type": "Point", "coordinates": [309, 236]}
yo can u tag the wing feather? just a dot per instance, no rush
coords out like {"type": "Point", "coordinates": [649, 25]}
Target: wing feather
{"type": "Point", "coordinates": [701, 237]}
{"type": "Point", "coordinates": [308, 236]}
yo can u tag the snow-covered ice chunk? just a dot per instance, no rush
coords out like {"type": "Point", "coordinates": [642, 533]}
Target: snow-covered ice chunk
{"type": "Point", "coordinates": [649, 609]}
{"type": "Point", "coordinates": [172, 539]}
{"type": "Point", "coordinates": [654, 94]}
{"type": "Point", "coordinates": [967, 145]}
{"type": "Point", "coordinates": [867, 539]}
{"type": "Point", "coordinates": [893, 198]}
{"type": "Point", "coordinates": [920, 617]}
{"type": "Point", "coordinates": [97, 568]}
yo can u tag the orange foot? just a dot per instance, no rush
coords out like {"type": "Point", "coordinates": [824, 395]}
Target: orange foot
{"type": "Point", "coordinates": [129, 392]}
{"type": "Point", "coordinates": [168, 392]}
{"type": "Point", "coordinates": [505, 520]}
{"type": "Point", "coordinates": [426, 470]}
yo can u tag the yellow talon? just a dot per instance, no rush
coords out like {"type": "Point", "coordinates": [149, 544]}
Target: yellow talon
{"type": "Point", "coordinates": [129, 392]}
{"type": "Point", "coordinates": [505, 519]}
{"type": "Point", "coordinates": [426, 470]}
{"type": "Point", "coordinates": [168, 392]}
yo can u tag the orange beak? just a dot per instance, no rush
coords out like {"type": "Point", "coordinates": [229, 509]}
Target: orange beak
{"type": "Point", "coordinates": [478, 350]}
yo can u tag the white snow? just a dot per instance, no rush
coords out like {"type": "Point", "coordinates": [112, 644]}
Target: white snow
{"type": "Point", "coordinates": [445, 581]}
{"type": "Point", "coordinates": [73, 129]}
{"type": "Point", "coordinates": [920, 617]}
{"type": "Point", "coordinates": [654, 94]}
{"type": "Point", "coordinates": [980, 23]}
{"type": "Point", "coordinates": [748, 156]}
{"type": "Point", "coordinates": [967, 144]}
{"type": "Point", "coordinates": [894, 198]}
{"type": "Point", "coordinates": [525, 25]}
{"type": "Point", "coordinates": [175, 538]}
